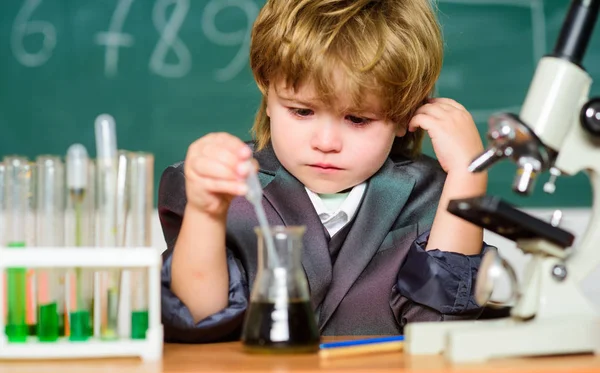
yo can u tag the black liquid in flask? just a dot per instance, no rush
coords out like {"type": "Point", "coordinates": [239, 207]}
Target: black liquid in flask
{"type": "Point", "coordinates": [280, 318]}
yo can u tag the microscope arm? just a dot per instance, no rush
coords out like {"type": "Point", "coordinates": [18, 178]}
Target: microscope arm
{"type": "Point", "coordinates": [582, 152]}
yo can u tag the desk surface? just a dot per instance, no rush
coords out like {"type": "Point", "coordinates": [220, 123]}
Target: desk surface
{"type": "Point", "coordinates": [229, 357]}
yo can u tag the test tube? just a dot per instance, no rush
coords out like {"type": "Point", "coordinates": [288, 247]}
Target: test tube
{"type": "Point", "coordinates": [106, 150]}
{"type": "Point", "coordinates": [124, 303]}
{"type": "Point", "coordinates": [122, 209]}
{"type": "Point", "coordinates": [140, 233]}
{"type": "Point", "coordinates": [3, 232]}
{"type": "Point", "coordinates": [30, 238]}
{"type": "Point", "coordinates": [50, 233]}
{"type": "Point", "coordinates": [2, 204]}
{"type": "Point", "coordinates": [79, 212]}
{"type": "Point", "coordinates": [16, 203]}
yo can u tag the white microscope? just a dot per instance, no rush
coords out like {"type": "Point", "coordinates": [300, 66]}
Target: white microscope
{"type": "Point", "coordinates": [558, 130]}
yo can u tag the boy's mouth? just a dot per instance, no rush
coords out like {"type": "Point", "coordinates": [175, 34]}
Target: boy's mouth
{"type": "Point", "coordinates": [324, 166]}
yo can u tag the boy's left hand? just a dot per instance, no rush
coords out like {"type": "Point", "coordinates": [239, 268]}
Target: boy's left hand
{"type": "Point", "coordinates": [453, 133]}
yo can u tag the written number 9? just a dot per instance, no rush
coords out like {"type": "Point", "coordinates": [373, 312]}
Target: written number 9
{"type": "Point", "coordinates": [240, 37]}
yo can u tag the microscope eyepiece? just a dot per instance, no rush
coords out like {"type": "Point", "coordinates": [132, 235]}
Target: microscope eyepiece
{"type": "Point", "coordinates": [577, 30]}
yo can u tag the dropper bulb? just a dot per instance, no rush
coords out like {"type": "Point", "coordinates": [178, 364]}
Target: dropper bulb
{"type": "Point", "coordinates": [77, 164]}
{"type": "Point", "coordinates": [106, 136]}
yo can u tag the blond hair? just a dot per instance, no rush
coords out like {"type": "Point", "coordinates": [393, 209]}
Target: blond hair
{"type": "Point", "coordinates": [390, 48]}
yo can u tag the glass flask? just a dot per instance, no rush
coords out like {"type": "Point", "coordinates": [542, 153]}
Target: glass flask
{"type": "Point", "coordinates": [280, 318]}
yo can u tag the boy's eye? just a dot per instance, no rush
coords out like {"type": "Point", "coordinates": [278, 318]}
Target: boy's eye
{"type": "Point", "coordinates": [357, 120]}
{"type": "Point", "coordinates": [301, 112]}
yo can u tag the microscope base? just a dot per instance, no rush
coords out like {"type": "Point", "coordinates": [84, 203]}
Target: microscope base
{"type": "Point", "coordinates": [477, 341]}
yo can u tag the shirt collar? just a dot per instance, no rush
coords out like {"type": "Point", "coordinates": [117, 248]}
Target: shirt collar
{"type": "Point", "coordinates": [347, 208]}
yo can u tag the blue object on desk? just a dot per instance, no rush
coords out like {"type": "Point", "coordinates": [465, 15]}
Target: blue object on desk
{"type": "Point", "coordinates": [359, 342]}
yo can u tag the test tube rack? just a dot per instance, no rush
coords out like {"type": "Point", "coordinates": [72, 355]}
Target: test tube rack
{"type": "Point", "coordinates": [95, 258]}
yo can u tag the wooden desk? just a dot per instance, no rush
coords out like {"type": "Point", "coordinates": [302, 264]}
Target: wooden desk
{"type": "Point", "coordinates": [229, 357]}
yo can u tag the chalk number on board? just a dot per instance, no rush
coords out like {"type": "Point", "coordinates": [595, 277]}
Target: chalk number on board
{"type": "Point", "coordinates": [168, 17]}
{"type": "Point", "coordinates": [168, 30]}
{"type": "Point", "coordinates": [240, 37]}
{"type": "Point", "coordinates": [114, 38]}
{"type": "Point", "coordinates": [22, 27]}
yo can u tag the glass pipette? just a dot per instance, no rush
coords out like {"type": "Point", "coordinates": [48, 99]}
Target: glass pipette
{"type": "Point", "coordinates": [254, 195]}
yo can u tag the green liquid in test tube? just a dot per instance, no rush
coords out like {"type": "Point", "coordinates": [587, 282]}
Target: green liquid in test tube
{"type": "Point", "coordinates": [141, 200]}
{"type": "Point", "coordinates": [48, 328]}
{"type": "Point", "coordinates": [17, 182]}
{"type": "Point", "coordinates": [81, 325]}
{"type": "Point", "coordinates": [16, 326]}
{"type": "Point", "coordinates": [139, 324]}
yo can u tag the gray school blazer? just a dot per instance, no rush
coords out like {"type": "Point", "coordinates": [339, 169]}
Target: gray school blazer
{"type": "Point", "coordinates": [382, 277]}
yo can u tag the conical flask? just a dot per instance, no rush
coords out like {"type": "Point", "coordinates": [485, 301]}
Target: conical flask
{"type": "Point", "coordinates": [280, 318]}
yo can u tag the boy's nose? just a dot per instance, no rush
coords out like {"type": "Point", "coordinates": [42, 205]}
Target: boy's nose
{"type": "Point", "coordinates": [327, 138]}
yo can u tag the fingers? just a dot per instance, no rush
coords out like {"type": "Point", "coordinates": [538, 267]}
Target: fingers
{"type": "Point", "coordinates": [437, 110]}
{"type": "Point", "coordinates": [221, 186]}
{"type": "Point", "coordinates": [216, 143]}
{"type": "Point", "coordinates": [208, 167]}
{"type": "Point", "coordinates": [423, 121]}
{"type": "Point", "coordinates": [218, 163]}
{"type": "Point", "coordinates": [447, 101]}
{"type": "Point", "coordinates": [226, 160]}
{"type": "Point", "coordinates": [427, 115]}
{"type": "Point", "coordinates": [222, 149]}
{"type": "Point", "coordinates": [225, 140]}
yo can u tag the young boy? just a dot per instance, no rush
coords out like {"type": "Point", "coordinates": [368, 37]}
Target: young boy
{"type": "Point", "coordinates": [345, 87]}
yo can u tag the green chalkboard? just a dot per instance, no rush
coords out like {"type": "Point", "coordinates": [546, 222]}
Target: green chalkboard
{"type": "Point", "coordinates": [170, 71]}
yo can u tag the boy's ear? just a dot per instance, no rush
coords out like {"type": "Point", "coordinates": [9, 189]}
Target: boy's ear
{"type": "Point", "coordinates": [401, 131]}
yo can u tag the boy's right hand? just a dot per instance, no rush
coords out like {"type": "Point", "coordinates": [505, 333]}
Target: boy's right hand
{"type": "Point", "coordinates": [215, 170]}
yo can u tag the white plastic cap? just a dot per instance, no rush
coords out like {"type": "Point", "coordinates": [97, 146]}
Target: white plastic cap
{"type": "Point", "coordinates": [106, 137]}
{"type": "Point", "coordinates": [77, 166]}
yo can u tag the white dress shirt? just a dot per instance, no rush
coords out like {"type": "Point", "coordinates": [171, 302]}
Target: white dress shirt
{"type": "Point", "coordinates": [336, 210]}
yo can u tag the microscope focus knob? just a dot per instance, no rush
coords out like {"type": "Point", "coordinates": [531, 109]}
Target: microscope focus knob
{"type": "Point", "coordinates": [590, 116]}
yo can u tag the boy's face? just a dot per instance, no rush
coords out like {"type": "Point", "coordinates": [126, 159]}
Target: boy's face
{"type": "Point", "coordinates": [328, 149]}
